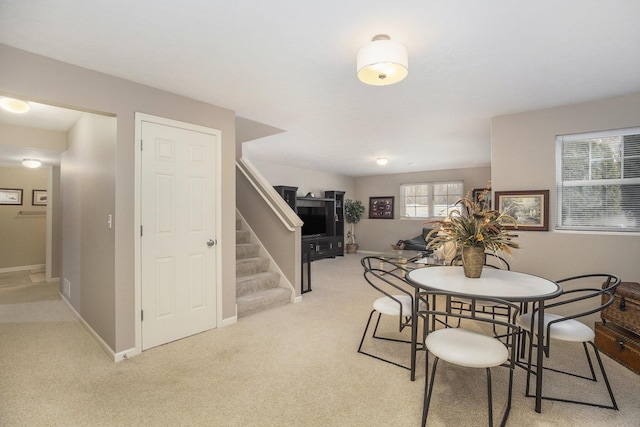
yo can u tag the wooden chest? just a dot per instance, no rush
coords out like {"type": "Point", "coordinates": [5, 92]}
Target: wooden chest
{"type": "Point", "coordinates": [619, 344]}
{"type": "Point", "coordinates": [625, 310]}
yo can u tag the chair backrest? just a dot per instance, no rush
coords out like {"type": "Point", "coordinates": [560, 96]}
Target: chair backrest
{"type": "Point", "coordinates": [387, 278]}
{"type": "Point", "coordinates": [490, 260]}
{"type": "Point", "coordinates": [435, 303]}
{"type": "Point", "coordinates": [578, 302]}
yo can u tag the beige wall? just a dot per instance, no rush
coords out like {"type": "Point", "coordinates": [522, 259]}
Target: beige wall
{"type": "Point", "coordinates": [377, 235]}
{"type": "Point", "coordinates": [20, 136]}
{"type": "Point", "coordinates": [523, 158]}
{"type": "Point", "coordinates": [307, 180]}
{"type": "Point", "coordinates": [22, 237]}
{"type": "Point", "coordinates": [37, 78]}
{"type": "Point", "coordinates": [55, 223]}
{"type": "Point", "coordinates": [88, 191]}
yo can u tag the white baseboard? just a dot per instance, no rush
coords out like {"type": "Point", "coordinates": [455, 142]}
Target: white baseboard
{"type": "Point", "coordinates": [22, 268]}
{"type": "Point", "coordinates": [229, 321]}
{"type": "Point", "coordinates": [112, 355]}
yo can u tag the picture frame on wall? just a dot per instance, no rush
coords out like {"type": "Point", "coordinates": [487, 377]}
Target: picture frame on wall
{"type": "Point", "coordinates": [381, 207]}
{"type": "Point", "coordinates": [529, 208]}
{"type": "Point", "coordinates": [10, 196]}
{"type": "Point", "coordinates": [476, 195]}
{"type": "Point", "coordinates": [39, 198]}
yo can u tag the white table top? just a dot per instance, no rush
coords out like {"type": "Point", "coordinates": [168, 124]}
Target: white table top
{"type": "Point", "coordinates": [504, 284]}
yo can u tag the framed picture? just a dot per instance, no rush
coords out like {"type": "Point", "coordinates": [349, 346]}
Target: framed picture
{"type": "Point", "coordinates": [485, 201]}
{"type": "Point", "coordinates": [39, 198]}
{"type": "Point", "coordinates": [529, 208]}
{"type": "Point", "coordinates": [381, 207]}
{"type": "Point", "coordinates": [10, 196]}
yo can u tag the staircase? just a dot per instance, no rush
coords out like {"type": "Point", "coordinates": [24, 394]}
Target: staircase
{"type": "Point", "coordinates": [257, 288]}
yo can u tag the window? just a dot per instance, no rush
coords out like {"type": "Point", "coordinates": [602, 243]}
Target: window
{"type": "Point", "coordinates": [598, 181]}
{"type": "Point", "coordinates": [429, 199]}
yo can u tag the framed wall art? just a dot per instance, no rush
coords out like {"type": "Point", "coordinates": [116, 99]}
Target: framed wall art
{"type": "Point", "coordinates": [39, 197]}
{"type": "Point", "coordinates": [529, 208]}
{"type": "Point", "coordinates": [381, 207]}
{"type": "Point", "coordinates": [10, 196]}
{"type": "Point", "coordinates": [485, 201]}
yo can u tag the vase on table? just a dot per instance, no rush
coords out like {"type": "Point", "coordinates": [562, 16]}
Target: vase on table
{"type": "Point", "coordinates": [472, 260]}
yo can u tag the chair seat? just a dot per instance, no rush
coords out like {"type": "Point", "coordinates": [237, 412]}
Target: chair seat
{"type": "Point", "coordinates": [568, 330]}
{"type": "Point", "coordinates": [390, 307]}
{"type": "Point", "coordinates": [466, 348]}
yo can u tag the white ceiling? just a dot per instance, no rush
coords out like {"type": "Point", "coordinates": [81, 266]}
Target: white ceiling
{"type": "Point", "coordinates": [290, 65]}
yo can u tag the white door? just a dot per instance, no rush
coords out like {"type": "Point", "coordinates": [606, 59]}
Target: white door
{"type": "Point", "coordinates": [178, 242]}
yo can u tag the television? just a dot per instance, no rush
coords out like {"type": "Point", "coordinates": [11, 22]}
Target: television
{"type": "Point", "coordinates": [315, 220]}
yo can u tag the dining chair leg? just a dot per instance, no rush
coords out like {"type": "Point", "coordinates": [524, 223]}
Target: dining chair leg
{"type": "Point", "coordinates": [428, 389]}
{"type": "Point", "coordinates": [489, 399]}
{"type": "Point", "coordinates": [604, 376]}
{"type": "Point", "coordinates": [586, 352]}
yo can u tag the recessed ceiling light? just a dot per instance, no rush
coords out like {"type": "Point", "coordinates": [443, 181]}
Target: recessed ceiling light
{"type": "Point", "coordinates": [31, 163]}
{"type": "Point", "coordinates": [382, 161]}
{"type": "Point", "coordinates": [14, 105]}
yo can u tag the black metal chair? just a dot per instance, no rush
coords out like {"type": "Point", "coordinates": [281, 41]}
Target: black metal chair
{"type": "Point", "coordinates": [387, 277]}
{"type": "Point", "coordinates": [472, 346]}
{"type": "Point", "coordinates": [597, 289]}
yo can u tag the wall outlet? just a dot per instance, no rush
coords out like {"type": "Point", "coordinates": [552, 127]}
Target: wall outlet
{"type": "Point", "coordinates": [66, 288]}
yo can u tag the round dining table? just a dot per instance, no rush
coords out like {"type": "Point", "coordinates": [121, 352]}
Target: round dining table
{"type": "Point", "coordinates": [504, 284]}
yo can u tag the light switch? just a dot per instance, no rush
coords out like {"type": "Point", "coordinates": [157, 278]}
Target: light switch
{"type": "Point", "coordinates": [110, 222]}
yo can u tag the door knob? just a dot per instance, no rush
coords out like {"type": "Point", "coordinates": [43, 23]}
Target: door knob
{"type": "Point", "coordinates": [211, 242]}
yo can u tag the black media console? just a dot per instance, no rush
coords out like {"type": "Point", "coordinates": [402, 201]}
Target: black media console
{"type": "Point", "coordinates": [323, 217]}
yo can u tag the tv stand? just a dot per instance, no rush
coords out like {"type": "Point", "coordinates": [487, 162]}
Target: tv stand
{"type": "Point", "coordinates": [331, 243]}
{"type": "Point", "coordinates": [317, 247]}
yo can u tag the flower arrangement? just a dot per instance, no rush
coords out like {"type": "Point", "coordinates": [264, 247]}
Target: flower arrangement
{"type": "Point", "coordinates": [475, 225]}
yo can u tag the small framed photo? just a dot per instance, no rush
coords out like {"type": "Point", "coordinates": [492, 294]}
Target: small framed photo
{"type": "Point", "coordinates": [39, 198]}
{"type": "Point", "coordinates": [482, 195]}
{"type": "Point", "coordinates": [381, 207]}
{"type": "Point", "coordinates": [10, 196]}
{"type": "Point", "coordinates": [529, 208]}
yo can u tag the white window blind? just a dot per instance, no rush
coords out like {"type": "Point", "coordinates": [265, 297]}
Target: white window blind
{"type": "Point", "coordinates": [598, 181]}
{"type": "Point", "coordinates": [429, 199]}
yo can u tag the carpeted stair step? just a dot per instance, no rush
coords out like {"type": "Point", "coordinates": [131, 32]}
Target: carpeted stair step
{"type": "Point", "coordinates": [249, 266]}
{"type": "Point", "coordinates": [256, 282]}
{"type": "Point", "coordinates": [243, 236]}
{"type": "Point", "coordinates": [263, 300]}
{"type": "Point", "coordinates": [247, 250]}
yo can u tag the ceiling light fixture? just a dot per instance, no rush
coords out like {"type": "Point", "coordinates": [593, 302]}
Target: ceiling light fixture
{"type": "Point", "coordinates": [31, 163]}
{"type": "Point", "coordinates": [382, 161]}
{"type": "Point", "coordinates": [382, 62]}
{"type": "Point", "coordinates": [14, 105]}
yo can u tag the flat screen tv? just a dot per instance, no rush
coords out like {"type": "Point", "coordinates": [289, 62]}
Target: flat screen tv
{"type": "Point", "coordinates": [315, 220]}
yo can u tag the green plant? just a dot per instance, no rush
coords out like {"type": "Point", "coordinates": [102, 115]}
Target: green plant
{"type": "Point", "coordinates": [353, 211]}
{"type": "Point", "coordinates": [473, 224]}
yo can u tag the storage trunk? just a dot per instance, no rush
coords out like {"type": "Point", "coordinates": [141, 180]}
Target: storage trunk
{"type": "Point", "coordinates": [625, 310]}
{"type": "Point", "coordinates": [619, 344]}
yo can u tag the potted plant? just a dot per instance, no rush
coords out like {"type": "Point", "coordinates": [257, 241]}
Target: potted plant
{"type": "Point", "coordinates": [353, 211]}
{"type": "Point", "coordinates": [475, 228]}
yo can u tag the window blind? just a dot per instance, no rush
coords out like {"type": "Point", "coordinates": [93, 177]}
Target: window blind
{"type": "Point", "coordinates": [598, 181]}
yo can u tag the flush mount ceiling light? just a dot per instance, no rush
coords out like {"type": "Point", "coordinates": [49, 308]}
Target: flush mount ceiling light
{"type": "Point", "coordinates": [31, 163]}
{"type": "Point", "coordinates": [382, 62]}
{"type": "Point", "coordinates": [14, 105]}
{"type": "Point", "coordinates": [382, 161]}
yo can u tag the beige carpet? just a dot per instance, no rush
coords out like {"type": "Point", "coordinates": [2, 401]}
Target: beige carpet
{"type": "Point", "coordinates": [292, 366]}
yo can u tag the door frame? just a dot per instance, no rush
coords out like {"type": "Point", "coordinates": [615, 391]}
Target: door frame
{"type": "Point", "coordinates": [137, 245]}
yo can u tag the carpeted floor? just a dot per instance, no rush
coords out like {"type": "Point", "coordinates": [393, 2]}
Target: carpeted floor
{"type": "Point", "coordinates": [292, 366]}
